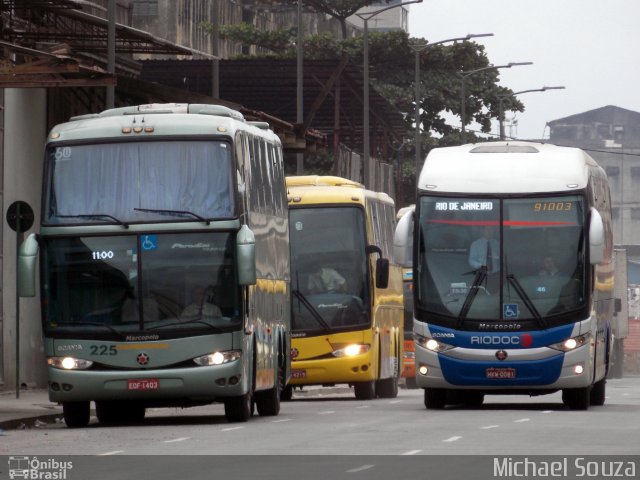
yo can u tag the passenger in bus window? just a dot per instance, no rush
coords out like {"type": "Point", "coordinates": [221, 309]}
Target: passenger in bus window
{"type": "Point", "coordinates": [326, 279]}
{"type": "Point", "coordinates": [485, 251]}
{"type": "Point", "coordinates": [202, 305]}
{"type": "Point", "coordinates": [549, 268]}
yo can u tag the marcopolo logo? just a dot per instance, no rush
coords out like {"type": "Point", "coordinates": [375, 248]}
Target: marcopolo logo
{"type": "Point", "coordinates": [36, 469]}
{"type": "Point", "coordinates": [524, 340]}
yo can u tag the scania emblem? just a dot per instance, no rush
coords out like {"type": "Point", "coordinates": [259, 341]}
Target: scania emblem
{"type": "Point", "coordinates": [294, 353]}
{"type": "Point", "coordinates": [142, 359]}
{"type": "Point", "coordinates": [501, 355]}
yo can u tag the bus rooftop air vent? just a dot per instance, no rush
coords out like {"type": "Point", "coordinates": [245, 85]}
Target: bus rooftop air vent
{"type": "Point", "coordinates": [84, 117]}
{"type": "Point", "coordinates": [217, 110]}
{"type": "Point", "coordinates": [505, 149]}
{"type": "Point", "coordinates": [262, 125]}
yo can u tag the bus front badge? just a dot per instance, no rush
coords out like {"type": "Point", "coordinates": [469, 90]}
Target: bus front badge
{"type": "Point", "coordinates": [501, 355]}
{"type": "Point", "coordinates": [142, 359]}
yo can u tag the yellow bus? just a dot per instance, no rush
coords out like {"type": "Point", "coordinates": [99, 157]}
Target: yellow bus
{"type": "Point", "coordinates": [347, 304]}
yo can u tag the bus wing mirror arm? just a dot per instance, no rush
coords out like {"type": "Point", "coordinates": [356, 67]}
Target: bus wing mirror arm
{"type": "Point", "coordinates": [27, 262]}
{"type": "Point", "coordinates": [596, 237]}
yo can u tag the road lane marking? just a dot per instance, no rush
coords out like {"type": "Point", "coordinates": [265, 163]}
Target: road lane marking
{"type": "Point", "coordinates": [488, 427]}
{"type": "Point", "coordinates": [411, 452]}
{"type": "Point", "coordinates": [547, 411]}
{"type": "Point", "coordinates": [395, 401]}
{"type": "Point", "coordinates": [521, 420]}
{"type": "Point", "coordinates": [181, 439]}
{"type": "Point", "coordinates": [326, 412]}
{"type": "Point", "coordinates": [115, 452]}
{"type": "Point", "coordinates": [360, 469]}
{"type": "Point", "coordinates": [231, 428]}
{"type": "Point", "coordinates": [281, 420]}
{"type": "Point", "coordinates": [452, 439]}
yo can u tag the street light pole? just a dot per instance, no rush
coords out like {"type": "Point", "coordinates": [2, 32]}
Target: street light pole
{"type": "Point", "coordinates": [502, 97]}
{"type": "Point", "coordinates": [464, 76]}
{"type": "Point", "coordinates": [418, 49]}
{"type": "Point", "coordinates": [299, 85]}
{"type": "Point", "coordinates": [365, 17]}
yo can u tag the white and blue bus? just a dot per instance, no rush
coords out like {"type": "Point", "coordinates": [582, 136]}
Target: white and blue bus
{"type": "Point", "coordinates": [512, 261]}
{"type": "Point", "coordinates": [164, 263]}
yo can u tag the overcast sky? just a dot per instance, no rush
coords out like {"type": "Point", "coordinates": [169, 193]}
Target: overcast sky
{"type": "Point", "coordinates": [592, 47]}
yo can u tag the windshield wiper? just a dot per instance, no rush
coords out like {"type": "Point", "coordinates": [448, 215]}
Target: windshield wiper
{"type": "Point", "coordinates": [96, 215]}
{"type": "Point", "coordinates": [183, 323]}
{"type": "Point", "coordinates": [173, 212]}
{"type": "Point", "coordinates": [314, 312]}
{"type": "Point", "coordinates": [481, 275]}
{"type": "Point", "coordinates": [525, 298]}
{"type": "Point", "coordinates": [93, 324]}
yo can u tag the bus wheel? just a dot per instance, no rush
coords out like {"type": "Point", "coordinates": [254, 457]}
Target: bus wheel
{"type": "Point", "coordinates": [597, 394]}
{"type": "Point", "coordinates": [76, 414]}
{"type": "Point", "coordinates": [387, 388]}
{"type": "Point", "coordinates": [287, 394]}
{"type": "Point", "coordinates": [119, 412]}
{"type": "Point", "coordinates": [365, 390]}
{"type": "Point", "coordinates": [268, 402]}
{"type": "Point", "coordinates": [107, 412]}
{"type": "Point", "coordinates": [238, 409]}
{"type": "Point", "coordinates": [472, 398]}
{"type": "Point", "coordinates": [576, 398]}
{"type": "Point", "coordinates": [435, 398]}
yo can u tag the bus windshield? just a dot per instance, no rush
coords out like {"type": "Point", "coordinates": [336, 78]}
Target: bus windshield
{"type": "Point", "coordinates": [500, 259]}
{"type": "Point", "coordinates": [165, 284]}
{"type": "Point", "coordinates": [139, 182]}
{"type": "Point", "coordinates": [329, 269]}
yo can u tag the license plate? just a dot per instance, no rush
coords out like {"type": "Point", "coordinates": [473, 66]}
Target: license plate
{"type": "Point", "coordinates": [146, 384]}
{"type": "Point", "coordinates": [298, 374]}
{"type": "Point", "coordinates": [501, 373]}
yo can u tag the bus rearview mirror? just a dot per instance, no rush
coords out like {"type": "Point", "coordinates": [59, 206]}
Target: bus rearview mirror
{"type": "Point", "coordinates": [596, 237]}
{"type": "Point", "coordinates": [27, 262]}
{"type": "Point", "coordinates": [246, 256]}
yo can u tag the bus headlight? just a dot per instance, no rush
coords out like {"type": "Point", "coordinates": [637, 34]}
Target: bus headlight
{"type": "Point", "coordinates": [431, 343]}
{"type": "Point", "coordinates": [572, 343]}
{"type": "Point", "coordinates": [352, 350]}
{"type": "Point", "coordinates": [218, 358]}
{"type": "Point", "coordinates": [69, 363]}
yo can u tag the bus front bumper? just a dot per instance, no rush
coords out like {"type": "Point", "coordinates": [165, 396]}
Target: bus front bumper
{"type": "Point", "coordinates": [332, 371]}
{"type": "Point", "coordinates": [527, 369]}
{"type": "Point", "coordinates": [182, 385]}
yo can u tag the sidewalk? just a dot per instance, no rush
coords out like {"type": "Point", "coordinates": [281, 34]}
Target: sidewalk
{"type": "Point", "coordinates": [32, 407]}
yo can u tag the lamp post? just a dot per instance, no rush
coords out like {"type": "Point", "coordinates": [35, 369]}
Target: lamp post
{"type": "Point", "coordinates": [502, 97]}
{"type": "Point", "coordinates": [299, 84]}
{"type": "Point", "coordinates": [365, 17]}
{"type": "Point", "coordinates": [464, 76]}
{"type": "Point", "coordinates": [418, 49]}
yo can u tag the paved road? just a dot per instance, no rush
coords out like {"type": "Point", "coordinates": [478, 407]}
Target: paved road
{"type": "Point", "coordinates": [338, 424]}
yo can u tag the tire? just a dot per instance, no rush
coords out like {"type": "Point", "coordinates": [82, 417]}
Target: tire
{"type": "Point", "coordinates": [576, 398]}
{"type": "Point", "coordinates": [387, 387]}
{"type": "Point", "coordinates": [107, 413]}
{"type": "Point", "coordinates": [268, 402]}
{"type": "Point", "coordinates": [76, 414]}
{"type": "Point", "coordinates": [597, 394]}
{"type": "Point", "coordinates": [239, 409]}
{"type": "Point", "coordinates": [472, 398]}
{"type": "Point", "coordinates": [435, 398]}
{"type": "Point", "coordinates": [287, 394]}
{"type": "Point", "coordinates": [365, 390]}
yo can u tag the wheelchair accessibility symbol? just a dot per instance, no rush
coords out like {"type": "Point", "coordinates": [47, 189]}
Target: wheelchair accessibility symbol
{"type": "Point", "coordinates": [149, 242]}
{"type": "Point", "coordinates": [510, 310]}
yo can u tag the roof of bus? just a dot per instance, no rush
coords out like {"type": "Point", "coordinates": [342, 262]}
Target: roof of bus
{"type": "Point", "coordinates": [486, 168]}
{"type": "Point", "coordinates": [158, 120]}
{"type": "Point", "coordinates": [324, 189]}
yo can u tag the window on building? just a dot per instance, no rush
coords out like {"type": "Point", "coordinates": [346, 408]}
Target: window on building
{"type": "Point", "coordinates": [635, 172]}
{"type": "Point", "coordinates": [145, 8]}
{"type": "Point", "coordinates": [635, 214]}
{"type": "Point", "coordinates": [615, 213]}
{"type": "Point", "coordinates": [612, 171]}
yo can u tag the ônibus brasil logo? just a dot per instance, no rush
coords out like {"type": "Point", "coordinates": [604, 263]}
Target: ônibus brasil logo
{"type": "Point", "coordinates": [36, 469]}
{"type": "Point", "coordinates": [524, 340]}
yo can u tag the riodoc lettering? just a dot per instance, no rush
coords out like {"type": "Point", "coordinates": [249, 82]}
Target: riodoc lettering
{"type": "Point", "coordinates": [495, 340]}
